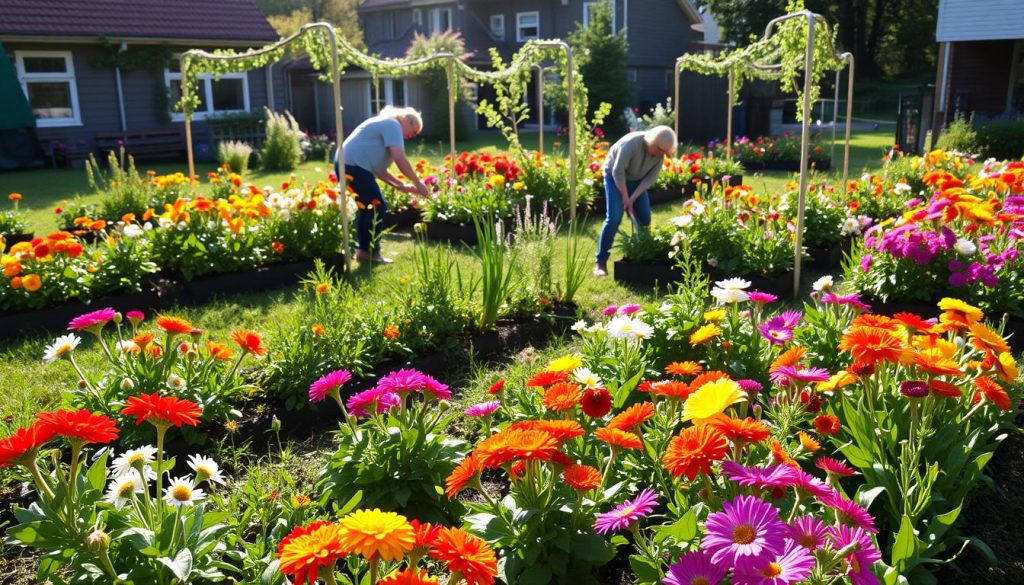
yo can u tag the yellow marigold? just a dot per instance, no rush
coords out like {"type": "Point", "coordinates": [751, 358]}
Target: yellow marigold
{"type": "Point", "coordinates": [307, 549]}
{"type": "Point", "coordinates": [808, 442]}
{"type": "Point", "coordinates": [984, 338]}
{"type": "Point", "coordinates": [971, 313]}
{"type": "Point", "coordinates": [1006, 367]}
{"type": "Point", "coordinates": [714, 316]}
{"type": "Point", "coordinates": [711, 400]}
{"type": "Point", "coordinates": [705, 334]}
{"type": "Point", "coordinates": [837, 381]}
{"type": "Point", "coordinates": [566, 363]}
{"type": "Point", "coordinates": [391, 332]}
{"type": "Point", "coordinates": [374, 535]}
{"type": "Point", "coordinates": [32, 282]}
{"type": "Point", "coordinates": [409, 576]}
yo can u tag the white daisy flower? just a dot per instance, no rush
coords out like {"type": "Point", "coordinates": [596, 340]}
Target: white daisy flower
{"type": "Point", "coordinates": [595, 328]}
{"type": "Point", "coordinates": [129, 461]}
{"type": "Point", "coordinates": [206, 469]}
{"type": "Point", "coordinates": [965, 247]}
{"type": "Point", "coordinates": [850, 226]}
{"type": "Point", "coordinates": [729, 296]}
{"type": "Point", "coordinates": [123, 488]}
{"type": "Point", "coordinates": [61, 347]}
{"type": "Point", "coordinates": [624, 327]}
{"type": "Point", "coordinates": [733, 284]}
{"type": "Point", "coordinates": [823, 284]}
{"type": "Point", "coordinates": [182, 493]}
{"type": "Point", "coordinates": [126, 346]}
{"type": "Point", "coordinates": [579, 325]}
{"type": "Point", "coordinates": [587, 378]}
{"type": "Point", "coordinates": [176, 382]}
{"type": "Point", "coordinates": [901, 188]}
{"type": "Point", "coordinates": [132, 231]}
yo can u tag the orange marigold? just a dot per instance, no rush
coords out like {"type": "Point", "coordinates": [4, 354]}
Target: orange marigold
{"type": "Point", "coordinates": [174, 325]}
{"type": "Point", "coordinates": [827, 424]}
{"type": "Point", "coordinates": [780, 455]}
{"type": "Point", "coordinates": [694, 450]}
{"type": "Point", "coordinates": [871, 346]}
{"type": "Point", "coordinates": [788, 358]}
{"type": "Point", "coordinates": [308, 548]}
{"type": "Point", "coordinates": [632, 417]}
{"type": "Point", "coordinates": [581, 477]}
{"type": "Point", "coordinates": [991, 391]}
{"type": "Point", "coordinates": [375, 534]}
{"type": "Point", "coordinates": [249, 341]}
{"type": "Point", "coordinates": [562, 430]}
{"type": "Point", "coordinates": [985, 339]}
{"type": "Point", "coordinates": [409, 576]}
{"type": "Point", "coordinates": [683, 368]}
{"type": "Point", "coordinates": [747, 430]}
{"type": "Point", "coordinates": [466, 555]}
{"type": "Point", "coordinates": [876, 321]}
{"type": "Point", "coordinates": [707, 378]}
{"type": "Point", "coordinates": [808, 442]}
{"type": "Point", "coordinates": [218, 351]}
{"type": "Point", "coordinates": [511, 445]}
{"type": "Point", "coordinates": [672, 389]}
{"type": "Point", "coordinates": [464, 472]}
{"type": "Point", "coordinates": [934, 361]}
{"type": "Point", "coordinates": [618, 438]}
{"type": "Point", "coordinates": [544, 379]}
{"type": "Point", "coordinates": [562, 396]}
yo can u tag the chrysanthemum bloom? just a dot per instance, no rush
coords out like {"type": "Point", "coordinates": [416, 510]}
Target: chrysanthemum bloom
{"type": "Point", "coordinates": [991, 391]}
{"type": "Point", "coordinates": [162, 411]}
{"type": "Point", "coordinates": [747, 529]}
{"type": "Point", "coordinates": [742, 430]}
{"type": "Point", "coordinates": [789, 374]}
{"type": "Point", "coordinates": [705, 334]}
{"type": "Point", "coordinates": [410, 576]}
{"type": "Point", "coordinates": [808, 442]}
{"type": "Point", "coordinates": [792, 565]}
{"type": "Point", "coordinates": [22, 447]}
{"type": "Point", "coordinates": [466, 555]}
{"type": "Point", "coordinates": [307, 549]}
{"type": "Point", "coordinates": [808, 532]}
{"type": "Point", "coordinates": [834, 466]}
{"type": "Point", "coordinates": [482, 409]}
{"type": "Point", "coordinates": [626, 513]}
{"type": "Point", "coordinates": [761, 298]}
{"type": "Point", "coordinates": [93, 321]}
{"type": "Point", "coordinates": [562, 396]}
{"type": "Point", "coordinates": [206, 469]}
{"type": "Point", "coordinates": [596, 402]}
{"type": "Point", "coordinates": [436, 389]}
{"type": "Point", "coordinates": [135, 459]}
{"type": "Point", "coordinates": [693, 451]}
{"type": "Point", "coordinates": [181, 493]}
{"type": "Point", "coordinates": [375, 535]}
{"type": "Point", "coordinates": [618, 439]}
{"type": "Point", "coordinates": [466, 474]}
{"type": "Point", "coordinates": [174, 325]}
{"type": "Point", "coordinates": [914, 388]}
{"type": "Point", "coordinates": [400, 381]}
{"type": "Point", "coordinates": [61, 348]}
{"type": "Point", "coordinates": [683, 369]}
{"type": "Point", "coordinates": [632, 417]}
{"type": "Point", "coordinates": [79, 426]}
{"type": "Point", "coordinates": [545, 379]}
{"type": "Point", "coordinates": [561, 429]}
{"type": "Point", "coordinates": [860, 562]}
{"type": "Point", "coordinates": [123, 488]}
{"type": "Point", "coordinates": [329, 385]}
{"type": "Point", "coordinates": [512, 445]}
{"type": "Point", "coordinates": [566, 363]}
{"type": "Point", "coordinates": [760, 477]}
{"type": "Point", "coordinates": [496, 387]}
{"type": "Point", "coordinates": [695, 568]}
{"type": "Point", "coordinates": [827, 424]}
{"type": "Point", "coordinates": [249, 341]}
{"type": "Point", "coordinates": [711, 400]}
{"type": "Point", "coordinates": [714, 316]}
{"type": "Point", "coordinates": [370, 401]}
{"type": "Point", "coordinates": [849, 510]}
{"type": "Point", "coordinates": [581, 477]}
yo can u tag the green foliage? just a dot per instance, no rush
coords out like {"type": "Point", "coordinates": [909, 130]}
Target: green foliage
{"type": "Point", "coordinates": [500, 268]}
{"type": "Point", "coordinates": [435, 82]}
{"type": "Point", "coordinates": [12, 223]}
{"type": "Point", "coordinates": [235, 155]}
{"type": "Point", "coordinates": [959, 136]}
{"type": "Point", "coordinates": [125, 190]}
{"type": "Point", "coordinates": [509, 109]}
{"type": "Point", "coordinates": [648, 246]}
{"type": "Point", "coordinates": [1002, 139]}
{"type": "Point", "coordinates": [282, 150]}
{"type": "Point", "coordinates": [603, 54]}
{"type": "Point", "coordinates": [533, 237]}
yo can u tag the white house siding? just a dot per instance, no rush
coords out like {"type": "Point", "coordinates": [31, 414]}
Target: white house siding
{"type": "Point", "coordinates": [980, 20]}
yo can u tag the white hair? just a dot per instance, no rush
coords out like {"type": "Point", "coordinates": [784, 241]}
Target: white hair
{"type": "Point", "coordinates": [400, 113]}
{"type": "Point", "coordinates": [662, 137]}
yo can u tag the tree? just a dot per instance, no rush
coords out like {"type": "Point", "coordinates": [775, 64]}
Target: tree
{"type": "Point", "coordinates": [436, 81]}
{"type": "Point", "coordinates": [288, 16]}
{"type": "Point", "coordinates": [602, 62]}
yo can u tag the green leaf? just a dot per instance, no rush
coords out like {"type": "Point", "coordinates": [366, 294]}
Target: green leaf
{"type": "Point", "coordinates": [181, 565]}
{"type": "Point", "coordinates": [591, 547]}
{"type": "Point", "coordinates": [904, 549]}
{"type": "Point", "coordinates": [536, 575]}
{"type": "Point", "coordinates": [646, 570]}
{"type": "Point", "coordinates": [682, 530]}
{"type": "Point", "coordinates": [351, 503]}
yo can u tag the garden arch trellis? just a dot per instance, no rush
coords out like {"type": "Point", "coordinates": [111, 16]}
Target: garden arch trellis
{"type": "Point", "coordinates": [197, 61]}
{"type": "Point", "coordinates": [769, 48]}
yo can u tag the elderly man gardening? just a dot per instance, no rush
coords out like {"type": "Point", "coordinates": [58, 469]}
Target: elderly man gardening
{"type": "Point", "coordinates": [632, 166]}
{"type": "Point", "coordinates": [369, 152]}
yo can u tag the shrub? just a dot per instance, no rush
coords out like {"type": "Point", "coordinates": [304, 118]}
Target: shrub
{"type": "Point", "coordinates": [959, 136]}
{"type": "Point", "coordinates": [234, 154]}
{"type": "Point", "coordinates": [1002, 139]}
{"type": "Point", "coordinates": [12, 222]}
{"type": "Point", "coordinates": [282, 150]}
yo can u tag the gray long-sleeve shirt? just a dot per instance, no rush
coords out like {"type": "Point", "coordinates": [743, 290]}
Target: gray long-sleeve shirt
{"type": "Point", "coordinates": [628, 160]}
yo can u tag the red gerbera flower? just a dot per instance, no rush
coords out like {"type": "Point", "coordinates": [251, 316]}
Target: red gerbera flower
{"type": "Point", "coordinates": [497, 387]}
{"type": "Point", "coordinates": [162, 410]}
{"type": "Point", "coordinates": [78, 426]}
{"type": "Point", "coordinates": [827, 424]}
{"type": "Point", "coordinates": [596, 402]}
{"type": "Point", "coordinates": [23, 445]}
{"type": "Point", "coordinates": [544, 379]}
{"type": "Point", "coordinates": [249, 341]}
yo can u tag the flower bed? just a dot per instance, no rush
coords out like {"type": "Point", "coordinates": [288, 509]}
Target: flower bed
{"type": "Point", "coordinates": [780, 153]}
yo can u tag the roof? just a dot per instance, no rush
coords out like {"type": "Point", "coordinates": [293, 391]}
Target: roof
{"type": "Point", "coordinates": [979, 20]}
{"type": "Point", "coordinates": [221, 20]}
{"type": "Point", "coordinates": [393, 48]}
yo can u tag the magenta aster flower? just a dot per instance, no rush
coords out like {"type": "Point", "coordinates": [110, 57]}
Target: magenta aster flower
{"type": "Point", "coordinates": [695, 567]}
{"type": "Point", "coordinates": [482, 409]}
{"type": "Point", "coordinates": [808, 532]}
{"type": "Point", "coordinates": [761, 477]}
{"type": "Point", "coordinates": [610, 310]}
{"type": "Point", "coordinates": [627, 513]}
{"type": "Point", "coordinates": [92, 321]}
{"type": "Point", "coordinates": [784, 375]}
{"type": "Point", "coordinates": [328, 385]}
{"type": "Point", "coordinates": [375, 399]}
{"type": "Point", "coordinates": [776, 331]}
{"type": "Point", "coordinates": [135, 316]}
{"type": "Point", "coordinates": [848, 510]}
{"type": "Point", "coordinates": [834, 466]}
{"type": "Point", "coordinates": [852, 300]}
{"type": "Point", "coordinates": [812, 485]}
{"type": "Point", "coordinates": [791, 319]}
{"type": "Point", "coordinates": [792, 565]}
{"type": "Point", "coordinates": [761, 298]}
{"type": "Point", "coordinates": [860, 562]}
{"type": "Point", "coordinates": [403, 381]}
{"type": "Point", "coordinates": [439, 390]}
{"type": "Point", "coordinates": [746, 528]}
{"type": "Point", "coordinates": [750, 386]}
{"type": "Point", "coordinates": [629, 309]}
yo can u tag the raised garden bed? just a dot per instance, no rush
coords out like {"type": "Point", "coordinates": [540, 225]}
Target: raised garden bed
{"type": "Point", "coordinates": [827, 257]}
{"type": "Point", "coordinates": [403, 219]}
{"type": "Point", "coordinates": [663, 274]}
{"type": "Point", "coordinates": [785, 165]}
{"type": "Point", "coordinates": [457, 233]}
{"type": "Point", "coordinates": [12, 239]}
{"type": "Point", "coordinates": [662, 196]}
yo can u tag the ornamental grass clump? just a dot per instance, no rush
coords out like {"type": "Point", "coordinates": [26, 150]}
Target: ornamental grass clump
{"type": "Point", "coordinates": [282, 148]}
{"type": "Point", "coordinates": [234, 155]}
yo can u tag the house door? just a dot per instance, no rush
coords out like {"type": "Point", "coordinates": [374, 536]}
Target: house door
{"type": "Point", "coordinates": [303, 102]}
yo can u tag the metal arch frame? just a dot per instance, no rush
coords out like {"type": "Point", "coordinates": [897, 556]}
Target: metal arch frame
{"type": "Point", "coordinates": [564, 46]}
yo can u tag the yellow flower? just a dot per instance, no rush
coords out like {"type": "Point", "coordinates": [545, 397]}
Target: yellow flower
{"type": "Point", "coordinates": [566, 363]}
{"type": "Point", "coordinates": [984, 338]}
{"type": "Point", "coordinates": [497, 181]}
{"type": "Point", "coordinates": [714, 316]}
{"type": "Point", "coordinates": [1006, 367]}
{"type": "Point", "coordinates": [711, 400]}
{"type": "Point", "coordinates": [705, 334]}
{"type": "Point", "coordinates": [377, 535]}
{"type": "Point", "coordinates": [837, 381]}
{"type": "Point", "coordinates": [518, 186]}
{"type": "Point", "coordinates": [808, 442]}
{"type": "Point", "coordinates": [972, 314]}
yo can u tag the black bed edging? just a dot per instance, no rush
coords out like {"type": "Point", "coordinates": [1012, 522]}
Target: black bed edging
{"type": "Point", "coordinates": [664, 274]}
{"type": "Point", "coordinates": [403, 219]}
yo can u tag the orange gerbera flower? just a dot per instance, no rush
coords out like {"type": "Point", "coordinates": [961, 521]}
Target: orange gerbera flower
{"type": "Point", "coordinates": [618, 438]}
{"type": "Point", "coordinates": [808, 442]}
{"type": "Point", "coordinates": [747, 430]}
{"type": "Point", "coordinates": [694, 450]}
{"type": "Point", "coordinates": [545, 379]}
{"type": "Point", "coordinates": [788, 358]}
{"type": "Point", "coordinates": [876, 321]}
{"type": "Point", "coordinates": [218, 351]}
{"type": "Point", "coordinates": [912, 321]}
{"type": "Point", "coordinates": [632, 417]}
{"type": "Point", "coordinates": [23, 445]}
{"type": "Point", "coordinates": [707, 378]}
{"type": "Point", "coordinates": [827, 424]}
{"type": "Point", "coordinates": [308, 548]}
{"type": "Point", "coordinates": [945, 389]}
{"type": "Point", "coordinates": [683, 368]}
{"type": "Point", "coordinates": [375, 535]}
{"type": "Point", "coordinates": [409, 576]}
{"type": "Point", "coordinates": [426, 534]}
{"type": "Point", "coordinates": [934, 361]}
{"type": "Point", "coordinates": [871, 346]}
{"type": "Point", "coordinates": [143, 339]}
{"type": "Point", "coordinates": [985, 339]}
{"type": "Point", "coordinates": [581, 477]}
{"type": "Point", "coordinates": [466, 555]}
{"type": "Point", "coordinates": [780, 455]}
{"type": "Point", "coordinates": [162, 411]}
{"type": "Point", "coordinates": [672, 389]}
{"type": "Point", "coordinates": [465, 472]}
{"type": "Point", "coordinates": [562, 430]}
{"type": "Point", "coordinates": [991, 391]}
{"type": "Point", "coordinates": [79, 426]}
{"type": "Point", "coordinates": [249, 341]}
{"type": "Point", "coordinates": [174, 325]}
{"type": "Point", "coordinates": [562, 396]}
{"type": "Point", "coordinates": [511, 445]}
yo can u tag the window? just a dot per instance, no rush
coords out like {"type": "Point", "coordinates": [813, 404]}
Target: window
{"type": "Point", "coordinates": [589, 6]}
{"type": "Point", "coordinates": [389, 25]}
{"type": "Point", "coordinates": [225, 94]}
{"type": "Point", "coordinates": [48, 80]}
{"type": "Point", "coordinates": [392, 93]}
{"type": "Point", "coordinates": [439, 20]}
{"type": "Point", "coordinates": [498, 26]}
{"type": "Point", "coordinates": [527, 26]}
{"type": "Point", "coordinates": [417, 16]}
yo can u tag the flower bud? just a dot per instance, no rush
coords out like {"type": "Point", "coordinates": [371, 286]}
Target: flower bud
{"type": "Point", "coordinates": [756, 411]}
{"type": "Point", "coordinates": [444, 405]}
{"type": "Point", "coordinates": [127, 384]}
{"type": "Point", "coordinates": [97, 542]}
{"type": "Point", "coordinates": [118, 318]}
{"type": "Point", "coordinates": [275, 424]}
{"type": "Point", "coordinates": [81, 384]}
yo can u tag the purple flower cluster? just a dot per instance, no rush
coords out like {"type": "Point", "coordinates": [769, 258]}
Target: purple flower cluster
{"type": "Point", "coordinates": [910, 241]}
{"type": "Point", "coordinates": [779, 329]}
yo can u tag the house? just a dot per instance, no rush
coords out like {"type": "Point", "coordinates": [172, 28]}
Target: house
{"type": "Point", "coordinates": [63, 53]}
{"type": "Point", "coordinates": [981, 59]}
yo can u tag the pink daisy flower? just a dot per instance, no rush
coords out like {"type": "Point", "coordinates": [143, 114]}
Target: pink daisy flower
{"type": "Point", "coordinates": [482, 409]}
{"type": "Point", "coordinates": [792, 565]}
{"type": "Point", "coordinates": [810, 484]}
{"type": "Point", "coordinates": [761, 477]}
{"type": "Point", "coordinates": [849, 510]}
{"type": "Point", "coordinates": [852, 300]}
{"type": "Point", "coordinates": [629, 309]}
{"type": "Point", "coordinates": [94, 320]}
{"type": "Point", "coordinates": [808, 532]}
{"type": "Point", "coordinates": [746, 528]}
{"type": "Point", "coordinates": [403, 381]}
{"type": "Point", "coordinates": [439, 390]}
{"type": "Point", "coordinates": [784, 375]}
{"type": "Point", "coordinates": [834, 466]}
{"type": "Point", "coordinates": [135, 316]}
{"type": "Point", "coordinates": [328, 385]}
{"type": "Point", "coordinates": [610, 310]}
{"type": "Point", "coordinates": [375, 399]}
{"type": "Point", "coordinates": [859, 563]}
{"type": "Point", "coordinates": [791, 318]}
{"type": "Point", "coordinates": [626, 513]}
{"type": "Point", "coordinates": [762, 298]}
{"type": "Point", "coordinates": [775, 331]}
{"type": "Point", "coordinates": [695, 567]}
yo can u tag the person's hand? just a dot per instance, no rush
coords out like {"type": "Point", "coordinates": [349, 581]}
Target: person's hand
{"type": "Point", "coordinates": [408, 188]}
{"type": "Point", "coordinates": [421, 189]}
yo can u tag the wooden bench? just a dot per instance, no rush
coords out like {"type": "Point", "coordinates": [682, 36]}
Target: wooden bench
{"type": "Point", "coordinates": [143, 145]}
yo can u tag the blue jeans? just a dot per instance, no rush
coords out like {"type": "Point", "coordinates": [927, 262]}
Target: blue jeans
{"type": "Point", "coordinates": [369, 219]}
{"type": "Point", "coordinates": [613, 215]}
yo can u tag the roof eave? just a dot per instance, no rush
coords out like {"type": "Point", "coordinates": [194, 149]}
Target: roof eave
{"type": "Point", "coordinates": [690, 11]}
{"type": "Point", "coordinates": [136, 40]}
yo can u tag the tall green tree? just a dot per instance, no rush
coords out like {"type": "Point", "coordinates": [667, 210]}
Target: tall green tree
{"type": "Point", "coordinates": [287, 16]}
{"type": "Point", "coordinates": [602, 62]}
{"type": "Point", "coordinates": [436, 82]}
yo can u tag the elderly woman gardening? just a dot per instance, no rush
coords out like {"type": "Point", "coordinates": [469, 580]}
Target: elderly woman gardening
{"type": "Point", "coordinates": [369, 152]}
{"type": "Point", "coordinates": [632, 166]}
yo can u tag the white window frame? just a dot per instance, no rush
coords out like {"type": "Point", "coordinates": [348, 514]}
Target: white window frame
{"type": "Point", "coordinates": [206, 86]}
{"type": "Point", "coordinates": [387, 90]}
{"type": "Point", "coordinates": [68, 76]}
{"type": "Point", "coordinates": [519, 26]}
{"type": "Point", "coordinates": [497, 23]}
{"type": "Point", "coordinates": [434, 20]}
{"type": "Point", "coordinates": [586, 13]}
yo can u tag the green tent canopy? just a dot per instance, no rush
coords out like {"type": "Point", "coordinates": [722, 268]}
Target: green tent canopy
{"type": "Point", "coordinates": [19, 146]}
